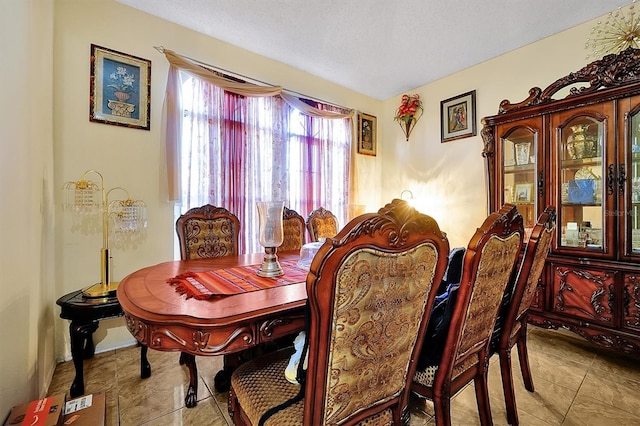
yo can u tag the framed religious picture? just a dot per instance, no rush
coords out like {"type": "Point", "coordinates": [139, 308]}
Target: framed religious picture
{"type": "Point", "coordinates": [367, 128]}
{"type": "Point", "coordinates": [120, 89]}
{"type": "Point", "coordinates": [458, 117]}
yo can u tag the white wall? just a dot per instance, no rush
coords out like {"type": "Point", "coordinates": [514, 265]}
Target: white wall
{"type": "Point", "coordinates": [133, 158]}
{"type": "Point", "coordinates": [26, 172]}
{"type": "Point", "coordinates": [448, 180]}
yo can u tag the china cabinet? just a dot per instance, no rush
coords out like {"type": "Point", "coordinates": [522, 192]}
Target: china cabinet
{"type": "Point", "coordinates": [576, 145]}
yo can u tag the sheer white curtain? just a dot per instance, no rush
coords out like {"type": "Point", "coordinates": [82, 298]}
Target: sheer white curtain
{"type": "Point", "coordinates": [237, 150]}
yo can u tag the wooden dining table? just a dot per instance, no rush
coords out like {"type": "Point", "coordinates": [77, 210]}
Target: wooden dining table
{"type": "Point", "coordinates": [161, 318]}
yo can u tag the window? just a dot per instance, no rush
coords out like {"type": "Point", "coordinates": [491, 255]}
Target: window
{"type": "Point", "coordinates": [237, 150]}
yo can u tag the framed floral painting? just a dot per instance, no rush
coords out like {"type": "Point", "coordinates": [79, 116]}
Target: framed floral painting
{"type": "Point", "coordinates": [120, 89]}
{"type": "Point", "coordinates": [367, 134]}
{"type": "Point", "coordinates": [458, 117]}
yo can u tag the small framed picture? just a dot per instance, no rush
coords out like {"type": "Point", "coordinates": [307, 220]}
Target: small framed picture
{"type": "Point", "coordinates": [458, 117]}
{"type": "Point", "coordinates": [367, 128]}
{"type": "Point", "coordinates": [120, 89]}
{"type": "Point", "coordinates": [523, 193]}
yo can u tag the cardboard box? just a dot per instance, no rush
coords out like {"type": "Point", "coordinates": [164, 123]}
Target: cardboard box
{"type": "Point", "coordinates": [42, 412]}
{"type": "Point", "coordinates": [88, 410]}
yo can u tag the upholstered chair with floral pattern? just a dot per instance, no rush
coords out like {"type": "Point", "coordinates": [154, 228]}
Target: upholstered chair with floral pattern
{"type": "Point", "coordinates": [294, 229]}
{"type": "Point", "coordinates": [512, 323]}
{"type": "Point", "coordinates": [321, 223]}
{"type": "Point", "coordinates": [208, 231]}
{"type": "Point", "coordinates": [205, 232]}
{"type": "Point", "coordinates": [370, 291]}
{"type": "Point", "coordinates": [489, 262]}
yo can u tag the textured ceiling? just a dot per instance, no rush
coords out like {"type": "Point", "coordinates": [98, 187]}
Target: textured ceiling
{"type": "Point", "coordinates": [380, 48]}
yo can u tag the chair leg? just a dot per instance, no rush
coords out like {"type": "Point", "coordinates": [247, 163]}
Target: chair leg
{"type": "Point", "coordinates": [442, 410]}
{"type": "Point", "coordinates": [523, 355]}
{"type": "Point", "coordinates": [482, 399]}
{"type": "Point", "coordinates": [507, 386]}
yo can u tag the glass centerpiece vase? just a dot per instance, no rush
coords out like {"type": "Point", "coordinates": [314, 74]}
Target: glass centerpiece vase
{"type": "Point", "coordinates": [271, 236]}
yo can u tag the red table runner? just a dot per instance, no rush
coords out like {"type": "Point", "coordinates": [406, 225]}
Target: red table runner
{"type": "Point", "coordinates": [240, 279]}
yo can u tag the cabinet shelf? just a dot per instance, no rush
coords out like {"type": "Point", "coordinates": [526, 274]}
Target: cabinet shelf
{"type": "Point", "coordinates": [582, 162]}
{"type": "Point", "coordinates": [519, 169]}
{"type": "Point", "coordinates": [581, 205]}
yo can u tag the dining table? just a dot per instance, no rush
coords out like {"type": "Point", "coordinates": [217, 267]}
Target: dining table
{"type": "Point", "coordinates": [162, 317]}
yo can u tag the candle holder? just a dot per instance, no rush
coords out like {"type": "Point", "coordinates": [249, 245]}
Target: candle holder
{"type": "Point", "coordinates": [271, 236]}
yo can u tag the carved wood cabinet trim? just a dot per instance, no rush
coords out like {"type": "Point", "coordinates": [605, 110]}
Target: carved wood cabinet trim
{"type": "Point", "coordinates": [631, 301]}
{"type": "Point", "coordinates": [584, 293]}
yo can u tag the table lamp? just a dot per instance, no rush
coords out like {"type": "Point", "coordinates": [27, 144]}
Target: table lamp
{"type": "Point", "coordinates": [127, 218]}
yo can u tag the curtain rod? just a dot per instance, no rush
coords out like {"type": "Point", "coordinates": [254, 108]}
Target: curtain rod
{"type": "Point", "coordinates": [253, 80]}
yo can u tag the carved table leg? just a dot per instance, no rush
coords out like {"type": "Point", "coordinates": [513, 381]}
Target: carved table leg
{"type": "Point", "coordinates": [145, 367]}
{"type": "Point", "coordinates": [191, 399]}
{"type": "Point", "coordinates": [81, 339]}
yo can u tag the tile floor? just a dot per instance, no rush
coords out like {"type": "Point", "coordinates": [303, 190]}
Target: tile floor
{"type": "Point", "coordinates": [576, 383]}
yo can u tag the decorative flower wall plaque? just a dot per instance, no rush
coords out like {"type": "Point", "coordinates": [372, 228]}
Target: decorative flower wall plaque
{"type": "Point", "coordinates": [408, 113]}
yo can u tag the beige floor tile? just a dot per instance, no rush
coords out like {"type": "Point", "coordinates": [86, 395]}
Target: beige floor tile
{"type": "Point", "coordinates": [112, 414]}
{"type": "Point", "coordinates": [208, 367]}
{"type": "Point", "coordinates": [99, 372]}
{"type": "Point", "coordinates": [560, 343]}
{"type": "Point", "coordinates": [586, 411]}
{"type": "Point", "coordinates": [464, 410]}
{"type": "Point", "coordinates": [563, 372]}
{"type": "Point", "coordinates": [612, 390]}
{"type": "Point", "coordinates": [160, 394]}
{"type": "Point", "coordinates": [616, 364]}
{"type": "Point", "coordinates": [577, 383]}
{"type": "Point", "coordinates": [62, 379]}
{"type": "Point", "coordinates": [206, 413]}
{"type": "Point", "coordinates": [549, 403]}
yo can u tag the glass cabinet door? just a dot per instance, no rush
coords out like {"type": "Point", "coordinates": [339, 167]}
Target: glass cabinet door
{"type": "Point", "coordinates": [632, 182]}
{"type": "Point", "coordinates": [519, 148]}
{"type": "Point", "coordinates": [580, 152]}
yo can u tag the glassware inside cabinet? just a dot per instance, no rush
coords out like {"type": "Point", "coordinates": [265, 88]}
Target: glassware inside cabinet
{"type": "Point", "coordinates": [581, 189]}
{"type": "Point", "coordinates": [519, 172]}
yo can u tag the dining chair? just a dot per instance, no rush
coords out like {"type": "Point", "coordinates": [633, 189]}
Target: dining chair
{"type": "Point", "coordinates": [294, 228]}
{"type": "Point", "coordinates": [208, 231]}
{"type": "Point", "coordinates": [489, 262]}
{"type": "Point", "coordinates": [205, 232]}
{"type": "Point", "coordinates": [321, 223]}
{"type": "Point", "coordinates": [370, 290]}
{"type": "Point", "coordinates": [511, 326]}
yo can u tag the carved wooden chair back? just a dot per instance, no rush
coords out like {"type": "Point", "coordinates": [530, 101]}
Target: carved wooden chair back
{"type": "Point", "coordinates": [490, 259]}
{"type": "Point", "coordinates": [370, 291]}
{"type": "Point", "coordinates": [321, 223]}
{"type": "Point", "coordinates": [294, 228]}
{"type": "Point", "coordinates": [208, 231]}
{"type": "Point", "coordinates": [512, 327]}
